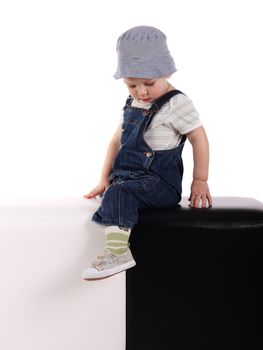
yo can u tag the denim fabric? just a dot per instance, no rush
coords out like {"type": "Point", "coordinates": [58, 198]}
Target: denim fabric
{"type": "Point", "coordinates": [141, 177]}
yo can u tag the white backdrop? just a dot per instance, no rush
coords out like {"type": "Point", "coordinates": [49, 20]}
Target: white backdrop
{"type": "Point", "coordinates": [59, 102]}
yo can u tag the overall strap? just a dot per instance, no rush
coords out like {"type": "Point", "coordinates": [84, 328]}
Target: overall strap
{"type": "Point", "coordinates": [163, 99]}
{"type": "Point", "coordinates": [157, 105]}
{"type": "Point", "coordinates": [128, 102]}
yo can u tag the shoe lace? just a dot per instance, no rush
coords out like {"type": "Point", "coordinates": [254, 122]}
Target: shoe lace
{"type": "Point", "coordinates": [100, 258]}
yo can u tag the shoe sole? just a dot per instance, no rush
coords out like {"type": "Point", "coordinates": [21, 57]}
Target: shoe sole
{"type": "Point", "coordinates": [108, 273]}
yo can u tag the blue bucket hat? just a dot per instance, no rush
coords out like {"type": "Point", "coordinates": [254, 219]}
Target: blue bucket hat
{"type": "Point", "coordinates": [143, 53]}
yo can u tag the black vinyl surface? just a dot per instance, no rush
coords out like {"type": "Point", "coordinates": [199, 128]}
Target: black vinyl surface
{"type": "Point", "coordinates": [197, 282]}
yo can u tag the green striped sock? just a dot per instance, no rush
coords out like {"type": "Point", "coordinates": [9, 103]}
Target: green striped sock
{"type": "Point", "coordinates": [117, 239]}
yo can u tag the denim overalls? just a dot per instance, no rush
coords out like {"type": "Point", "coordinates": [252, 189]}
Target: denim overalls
{"type": "Point", "coordinates": [141, 177]}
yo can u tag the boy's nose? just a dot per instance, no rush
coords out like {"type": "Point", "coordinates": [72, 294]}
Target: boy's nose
{"type": "Point", "coordinates": [142, 91]}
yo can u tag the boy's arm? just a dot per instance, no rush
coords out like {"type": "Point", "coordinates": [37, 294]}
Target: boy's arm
{"type": "Point", "coordinates": [200, 193]}
{"type": "Point", "coordinates": [111, 153]}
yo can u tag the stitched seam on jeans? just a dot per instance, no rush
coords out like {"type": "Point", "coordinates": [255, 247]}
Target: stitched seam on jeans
{"type": "Point", "coordinates": [120, 209]}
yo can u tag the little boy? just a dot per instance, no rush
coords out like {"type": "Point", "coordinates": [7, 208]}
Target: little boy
{"type": "Point", "coordinates": [143, 166]}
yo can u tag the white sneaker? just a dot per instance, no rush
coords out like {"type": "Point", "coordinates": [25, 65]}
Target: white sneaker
{"type": "Point", "coordinates": [109, 264]}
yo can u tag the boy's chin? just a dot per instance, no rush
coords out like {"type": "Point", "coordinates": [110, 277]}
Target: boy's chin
{"type": "Point", "coordinates": [148, 100]}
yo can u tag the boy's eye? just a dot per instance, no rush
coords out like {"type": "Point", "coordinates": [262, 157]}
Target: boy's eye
{"type": "Point", "coordinates": [149, 84]}
{"type": "Point", "coordinates": [131, 86]}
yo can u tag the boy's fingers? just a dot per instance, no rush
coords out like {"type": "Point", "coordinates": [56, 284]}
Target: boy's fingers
{"type": "Point", "coordinates": [204, 201]}
{"type": "Point", "coordinates": [92, 194]}
{"type": "Point", "coordinates": [209, 200]}
{"type": "Point", "coordinates": [199, 201]}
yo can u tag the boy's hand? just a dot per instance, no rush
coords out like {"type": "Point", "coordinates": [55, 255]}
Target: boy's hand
{"type": "Point", "coordinates": [200, 195]}
{"type": "Point", "coordinates": [102, 186]}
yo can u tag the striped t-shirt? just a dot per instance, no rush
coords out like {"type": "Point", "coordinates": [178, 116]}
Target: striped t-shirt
{"type": "Point", "coordinates": [177, 117]}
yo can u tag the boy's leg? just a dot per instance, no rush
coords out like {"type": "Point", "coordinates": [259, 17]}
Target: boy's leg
{"type": "Point", "coordinates": [123, 199]}
{"type": "Point", "coordinates": [117, 239]}
{"type": "Point", "coordinates": [119, 207]}
{"type": "Point", "coordinates": [119, 212]}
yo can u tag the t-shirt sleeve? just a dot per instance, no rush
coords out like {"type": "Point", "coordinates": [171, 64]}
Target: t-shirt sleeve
{"type": "Point", "coordinates": [121, 119]}
{"type": "Point", "coordinates": [183, 115]}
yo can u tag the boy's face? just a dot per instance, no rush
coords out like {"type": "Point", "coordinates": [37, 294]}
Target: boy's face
{"type": "Point", "coordinates": [147, 90]}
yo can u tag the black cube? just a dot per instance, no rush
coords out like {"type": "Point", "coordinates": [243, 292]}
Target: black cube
{"type": "Point", "coordinates": [197, 282]}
